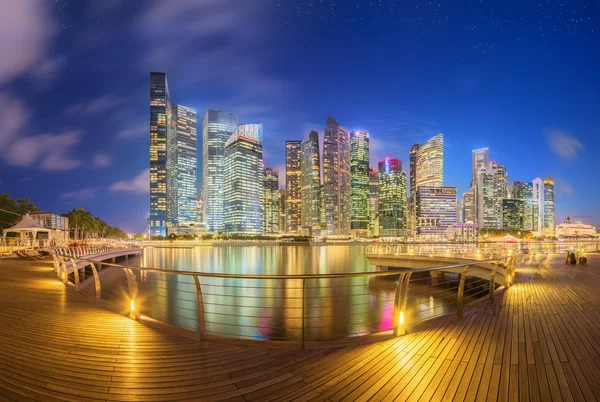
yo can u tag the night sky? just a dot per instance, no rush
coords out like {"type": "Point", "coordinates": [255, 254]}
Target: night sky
{"type": "Point", "coordinates": [521, 78]}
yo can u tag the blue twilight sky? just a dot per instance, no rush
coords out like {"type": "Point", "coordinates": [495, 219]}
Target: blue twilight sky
{"type": "Point", "coordinates": [519, 77]}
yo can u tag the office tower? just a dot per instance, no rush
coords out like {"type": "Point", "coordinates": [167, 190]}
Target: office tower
{"type": "Point", "coordinates": [393, 208]}
{"type": "Point", "coordinates": [293, 186]}
{"type": "Point", "coordinates": [522, 190]}
{"type": "Point", "coordinates": [336, 178]}
{"type": "Point", "coordinates": [412, 216]}
{"type": "Point", "coordinates": [531, 213]}
{"type": "Point", "coordinates": [549, 222]}
{"type": "Point", "coordinates": [538, 196]}
{"type": "Point", "coordinates": [271, 202]}
{"type": "Point", "coordinates": [217, 128]}
{"type": "Point", "coordinates": [311, 185]}
{"type": "Point", "coordinates": [436, 211]}
{"type": "Point", "coordinates": [186, 171]}
{"type": "Point", "coordinates": [162, 128]}
{"type": "Point", "coordinates": [243, 181]}
{"type": "Point", "coordinates": [200, 208]}
{"type": "Point", "coordinates": [373, 202]}
{"type": "Point", "coordinates": [322, 209]}
{"type": "Point", "coordinates": [491, 188]}
{"type": "Point", "coordinates": [282, 208]}
{"type": "Point", "coordinates": [359, 183]}
{"type": "Point", "coordinates": [430, 163]}
{"type": "Point", "coordinates": [513, 214]}
{"type": "Point", "coordinates": [468, 207]}
{"type": "Point", "coordinates": [480, 160]}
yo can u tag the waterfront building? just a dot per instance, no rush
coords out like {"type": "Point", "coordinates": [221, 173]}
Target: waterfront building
{"type": "Point", "coordinates": [293, 186]}
{"type": "Point", "coordinates": [522, 190]}
{"type": "Point", "coordinates": [57, 225]}
{"type": "Point", "coordinates": [271, 201]}
{"type": "Point", "coordinates": [491, 188]}
{"type": "Point", "coordinates": [162, 128]}
{"type": "Point", "coordinates": [282, 209]}
{"type": "Point", "coordinates": [412, 215]}
{"type": "Point", "coordinates": [393, 208]}
{"type": "Point", "coordinates": [311, 185]}
{"type": "Point", "coordinates": [186, 171]}
{"type": "Point", "coordinates": [576, 230]}
{"type": "Point", "coordinates": [436, 211]}
{"type": "Point", "coordinates": [543, 193]}
{"type": "Point", "coordinates": [359, 185]}
{"type": "Point", "coordinates": [513, 214]}
{"type": "Point", "coordinates": [468, 207]}
{"type": "Point", "coordinates": [336, 178]}
{"type": "Point", "coordinates": [463, 233]}
{"type": "Point", "coordinates": [430, 163]}
{"type": "Point", "coordinates": [217, 128]}
{"type": "Point", "coordinates": [373, 202]}
{"type": "Point", "coordinates": [479, 160]}
{"type": "Point", "coordinates": [531, 211]}
{"type": "Point", "coordinates": [243, 181]}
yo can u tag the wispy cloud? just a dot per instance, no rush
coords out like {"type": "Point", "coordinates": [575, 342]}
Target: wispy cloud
{"type": "Point", "coordinates": [134, 132]}
{"type": "Point", "coordinates": [83, 194]}
{"type": "Point", "coordinates": [13, 115]}
{"type": "Point", "coordinates": [102, 160]}
{"type": "Point", "coordinates": [562, 187]}
{"type": "Point", "coordinates": [140, 184]}
{"type": "Point", "coordinates": [564, 144]}
{"type": "Point", "coordinates": [46, 151]}
{"type": "Point", "coordinates": [94, 106]}
{"type": "Point", "coordinates": [26, 33]}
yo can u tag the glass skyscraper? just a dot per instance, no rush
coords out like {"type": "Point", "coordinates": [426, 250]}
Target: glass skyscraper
{"type": "Point", "coordinates": [393, 208]}
{"type": "Point", "coordinates": [186, 169]}
{"type": "Point", "coordinates": [373, 202]}
{"type": "Point", "coordinates": [491, 189]}
{"type": "Point", "coordinates": [513, 214]}
{"type": "Point", "coordinates": [412, 216]}
{"type": "Point", "coordinates": [468, 207]}
{"type": "Point", "coordinates": [430, 163]}
{"type": "Point", "coordinates": [479, 160]}
{"type": "Point", "coordinates": [311, 185]}
{"type": "Point", "coordinates": [271, 201]}
{"type": "Point", "coordinates": [548, 203]}
{"type": "Point", "coordinates": [336, 178]}
{"type": "Point", "coordinates": [243, 181]}
{"type": "Point", "coordinates": [162, 129]}
{"type": "Point", "coordinates": [293, 187]}
{"type": "Point", "coordinates": [217, 128]}
{"type": "Point", "coordinates": [436, 211]}
{"type": "Point", "coordinates": [359, 187]}
{"type": "Point", "coordinates": [522, 190]}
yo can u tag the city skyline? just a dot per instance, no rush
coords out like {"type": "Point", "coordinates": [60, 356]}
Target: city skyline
{"type": "Point", "coordinates": [82, 92]}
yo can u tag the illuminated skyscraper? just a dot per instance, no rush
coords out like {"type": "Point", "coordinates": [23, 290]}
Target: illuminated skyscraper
{"type": "Point", "coordinates": [271, 202]}
{"type": "Point", "coordinates": [522, 190]}
{"type": "Point", "coordinates": [430, 163]}
{"type": "Point", "coordinates": [186, 170]}
{"type": "Point", "coordinates": [513, 214]}
{"type": "Point", "coordinates": [373, 202]}
{"type": "Point", "coordinates": [468, 207]}
{"type": "Point", "coordinates": [311, 185]}
{"type": "Point", "coordinates": [282, 208]}
{"type": "Point", "coordinates": [543, 193]}
{"type": "Point", "coordinates": [243, 181]}
{"type": "Point", "coordinates": [436, 211]}
{"type": "Point", "coordinates": [531, 213]}
{"type": "Point", "coordinates": [479, 160]}
{"type": "Point", "coordinates": [412, 216]}
{"type": "Point", "coordinates": [359, 183]}
{"type": "Point", "coordinates": [162, 129]}
{"type": "Point", "coordinates": [217, 128]}
{"type": "Point", "coordinates": [336, 178]}
{"type": "Point", "coordinates": [491, 188]}
{"type": "Point", "coordinates": [393, 208]}
{"type": "Point", "coordinates": [293, 186]}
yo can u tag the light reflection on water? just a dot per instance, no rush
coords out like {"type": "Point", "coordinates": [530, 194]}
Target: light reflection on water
{"type": "Point", "coordinates": [272, 309]}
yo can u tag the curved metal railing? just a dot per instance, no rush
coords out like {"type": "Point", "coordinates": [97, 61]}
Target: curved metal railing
{"type": "Point", "coordinates": [297, 307]}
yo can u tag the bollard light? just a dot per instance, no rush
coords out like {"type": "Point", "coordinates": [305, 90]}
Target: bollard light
{"type": "Point", "coordinates": [132, 306]}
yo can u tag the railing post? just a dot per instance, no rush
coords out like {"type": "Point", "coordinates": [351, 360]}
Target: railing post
{"type": "Point", "coordinates": [303, 308]}
{"type": "Point", "coordinates": [400, 304]}
{"type": "Point", "coordinates": [75, 274]}
{"type": "Point", "coordinates": [134, 309]}
{"type": "Point", "coordinates": [461, 291]}
{"type": "Point", "coordinates": [96, 281]}
{"type": "Point", "coordinates": [493, 281]}
{"type": "Point", "coordinates": [200, 306]}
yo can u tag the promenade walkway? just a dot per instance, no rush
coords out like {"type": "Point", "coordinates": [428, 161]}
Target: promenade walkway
{"type": "Point", "coordinates": [539, 341]}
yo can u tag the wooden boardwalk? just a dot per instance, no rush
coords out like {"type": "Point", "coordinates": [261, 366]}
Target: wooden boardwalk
{"type": "Point", "coordinates": [538, 341]}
